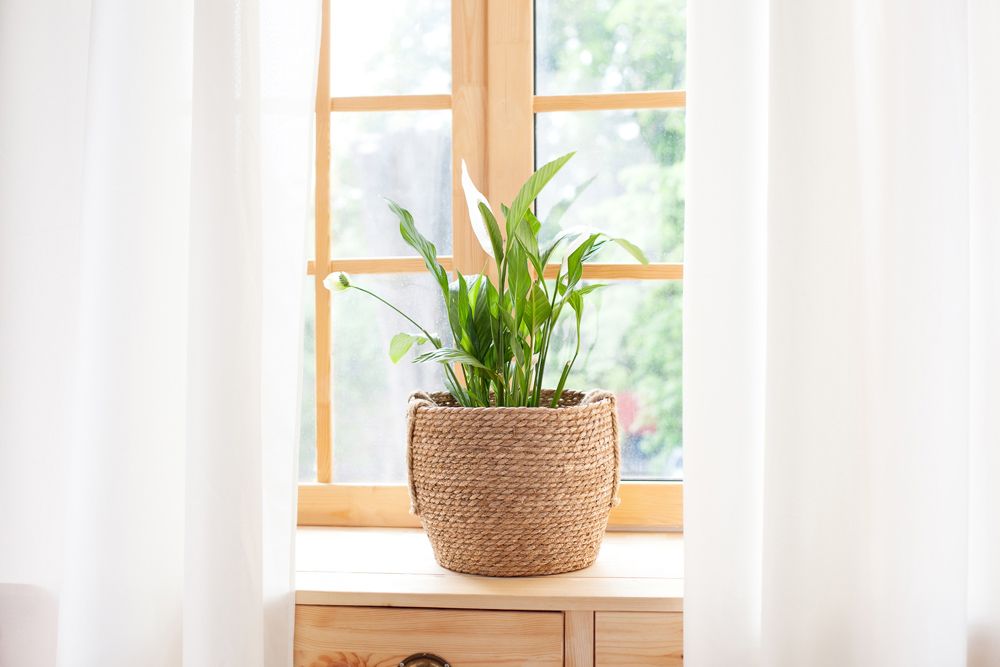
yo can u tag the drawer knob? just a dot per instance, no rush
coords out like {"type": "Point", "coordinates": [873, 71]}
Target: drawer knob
{"type": "Point", "coordinates": [424, 660]}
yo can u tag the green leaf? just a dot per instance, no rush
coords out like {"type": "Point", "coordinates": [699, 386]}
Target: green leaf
{"type": "Point", "coordinates": [575, 236]}
{"type": "Point", "coordinates": [562, 384]}
{"type": "Point", "coordinates": [538, 306]}
{"type": "Point", "coordinates": [493, 229]}
{"type": "Point", "coordinates": [508, 319]}
{"type": "Point", "coordinates": [482, 322]}
{"type": "Point", "coordinates": [476, 282]}
{"type": "Point", "coordinates": [575, 300]}
{"type": "Point", "coordinates": [463, 335]}
{"type": "Point", "coordinates": [464, 307]}
{"type": "Point", "coordinates": [534, 224]}
{"type": "Point", "coordinates": [458, 391]}
{"type": "Point", "coordinates": [458, 313]}
{"type": "Point", "coordinates": [632, 249]}
{"type": "Point", "coordinates": [529, 243]}
{"type": "Point", "coordinates": [518, 349]}
{"type": "Point", "coordinates": [417, 241]}
{"type": "Point", "coordinates": [574, 263]}
{"type": "Point", "coordinates": [529, 191]}
{"type": "Point", "coordinates": [502, 330]}
{"type": "Point", "coordinates": [587, 289]}
{"type": "Point", "coordinates": [595, 248]}
{"type": "Point", "coordinates": [401, 344]}
{"type": "Point", "coordinates": [449, 355]}
{"type": "Point", "coordinates": [576, 303]}
{"type": "Point", "coordinates": [518, 278]}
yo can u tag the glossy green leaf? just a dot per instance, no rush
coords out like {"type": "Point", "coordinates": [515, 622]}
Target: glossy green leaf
{"type": "Point", "coordinates": [493, 231]}
{"type": "Point", "coordinates": [532, 187]}
{"type": "Point", "coordinates": [538, 306]}
{"type": "Point", "coordinates": [632, 249]}
{"type": "Point", "coordinates": [502, 325]}
{"type": "Point", "coordinates": [574, 263]}
{"type": "Point", "coordinates": [576, 303]}
{"type": "Point", "coordinates": [529, 244]}
{"type": "Point", "coordinates": [449, 355]}
{"type": "Point", "coordinates": [401, 344]}
{"type": "Point", "coordinates": [417, 241]}
{"type": "Point", "coordinates": [587, 289]}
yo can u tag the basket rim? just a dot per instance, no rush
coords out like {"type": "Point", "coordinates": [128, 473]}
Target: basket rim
{"type": "Point", "coordinates": [598, 397]}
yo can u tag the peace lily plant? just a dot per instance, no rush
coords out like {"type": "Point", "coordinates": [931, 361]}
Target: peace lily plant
{"type": "Point", "coordinates": [502, 323]}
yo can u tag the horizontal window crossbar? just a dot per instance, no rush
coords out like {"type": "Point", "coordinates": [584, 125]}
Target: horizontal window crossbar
{"type": "Point", "coordinates": [379, 265]}
{"type": "Point", "coordinates": [651, 505]}
{"type": "Point", "coordinates": [391, 103]}
{"type": "Point", "coordinates": [660, 99]}
{"type": "Point", "coordinates": [659, 271]}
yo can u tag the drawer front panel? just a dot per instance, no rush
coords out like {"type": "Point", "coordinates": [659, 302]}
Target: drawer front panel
{"type": "Point", "coordinates": [328, 636]}
{"type": "Point", "coordinates": [638, 639]}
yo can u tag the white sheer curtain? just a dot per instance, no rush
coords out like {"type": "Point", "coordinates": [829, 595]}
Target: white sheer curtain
{"type": "Point", "coordinates": [154, 193]}
{"type": "Point", "coordinates": [842, 333]}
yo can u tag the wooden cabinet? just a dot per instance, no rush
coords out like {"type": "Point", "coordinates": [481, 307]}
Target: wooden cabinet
{"type": "Point", "coordinates": [638, 639]}
{"type": "Point", "coordinates": [382, 637]}
{"type": "Point", "coordinates": [333, 636]}
{"type": "Point", "coordinates": [373, 597]}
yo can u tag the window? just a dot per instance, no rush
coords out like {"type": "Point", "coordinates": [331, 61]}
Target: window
{"type": "Point", "coordinates": [409, 88]}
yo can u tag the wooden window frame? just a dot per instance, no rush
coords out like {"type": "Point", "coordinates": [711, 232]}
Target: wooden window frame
{"type": "Point", "coordinates": [493, 131]}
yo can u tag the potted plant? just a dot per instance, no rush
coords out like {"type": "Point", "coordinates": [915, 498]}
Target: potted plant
{"type": "Point", "coordinates": [507, 477]}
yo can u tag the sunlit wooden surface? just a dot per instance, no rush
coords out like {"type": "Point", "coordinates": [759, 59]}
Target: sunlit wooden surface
{"type": "Point", "coordinates": [395, 567]}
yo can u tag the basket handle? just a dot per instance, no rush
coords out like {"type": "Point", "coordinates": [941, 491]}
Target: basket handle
{"type": "Point", "coordinates": [595, 396]}
{"type": "Point", "coordinates": [418, 399]}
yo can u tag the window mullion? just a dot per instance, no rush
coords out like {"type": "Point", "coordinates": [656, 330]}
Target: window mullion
{"type": "Point", "coordinates": [510, 126]}
{"type": "Point", "coordinates": [468, 114]}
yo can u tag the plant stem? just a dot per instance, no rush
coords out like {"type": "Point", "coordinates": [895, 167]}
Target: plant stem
{"type": "Point", "coordinates": [409, 319]}
{"type": "Point", "coordinates": [547, 338]}
{"type": "Point", "coordinates": [501, 345]}
{"type": "Point", "coordinates": [434, 341]}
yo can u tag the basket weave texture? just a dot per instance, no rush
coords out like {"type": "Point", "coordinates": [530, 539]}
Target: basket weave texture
{"type": "Point", "coordinates": [510, 492]}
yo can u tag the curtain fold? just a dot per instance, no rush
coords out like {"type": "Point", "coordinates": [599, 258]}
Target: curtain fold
{"type": "Point", "coordinates": [156, 187]}
{"type": "Point", "coordinates": [841, 319]}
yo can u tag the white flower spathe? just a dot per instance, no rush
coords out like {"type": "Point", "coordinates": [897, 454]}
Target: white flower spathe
{"type": "Point", "coordinates": [337, 282]}
{"type": "Point", "coordinates": [473, 197]}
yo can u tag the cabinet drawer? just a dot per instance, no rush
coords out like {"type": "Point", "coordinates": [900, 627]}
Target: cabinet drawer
{"type": "Point", "coordinates": [638, 639]}
{"type": "Point", "coordinates": [381, 637]}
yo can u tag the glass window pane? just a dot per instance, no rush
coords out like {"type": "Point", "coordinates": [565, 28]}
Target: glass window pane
{"type": "Point", "coordinates": [390, 47]}
{"type": "Point", "coordinates": [637, 161]}
{"type": "Point", "coordinates": [632, 346]}
{"type": "Point", "coordinates": [609, 46]}
{"type": "Point", "coordinates": [405, 156]}
{"type": "Point", "coordinates": [369, 391]}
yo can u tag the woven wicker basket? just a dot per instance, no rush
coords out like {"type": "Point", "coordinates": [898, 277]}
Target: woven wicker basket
{"type": "Point", "coordinates": [510, 492]}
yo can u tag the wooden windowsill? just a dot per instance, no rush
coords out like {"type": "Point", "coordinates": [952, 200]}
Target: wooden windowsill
{"type": "Point", "coordinates": [395, 567]}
